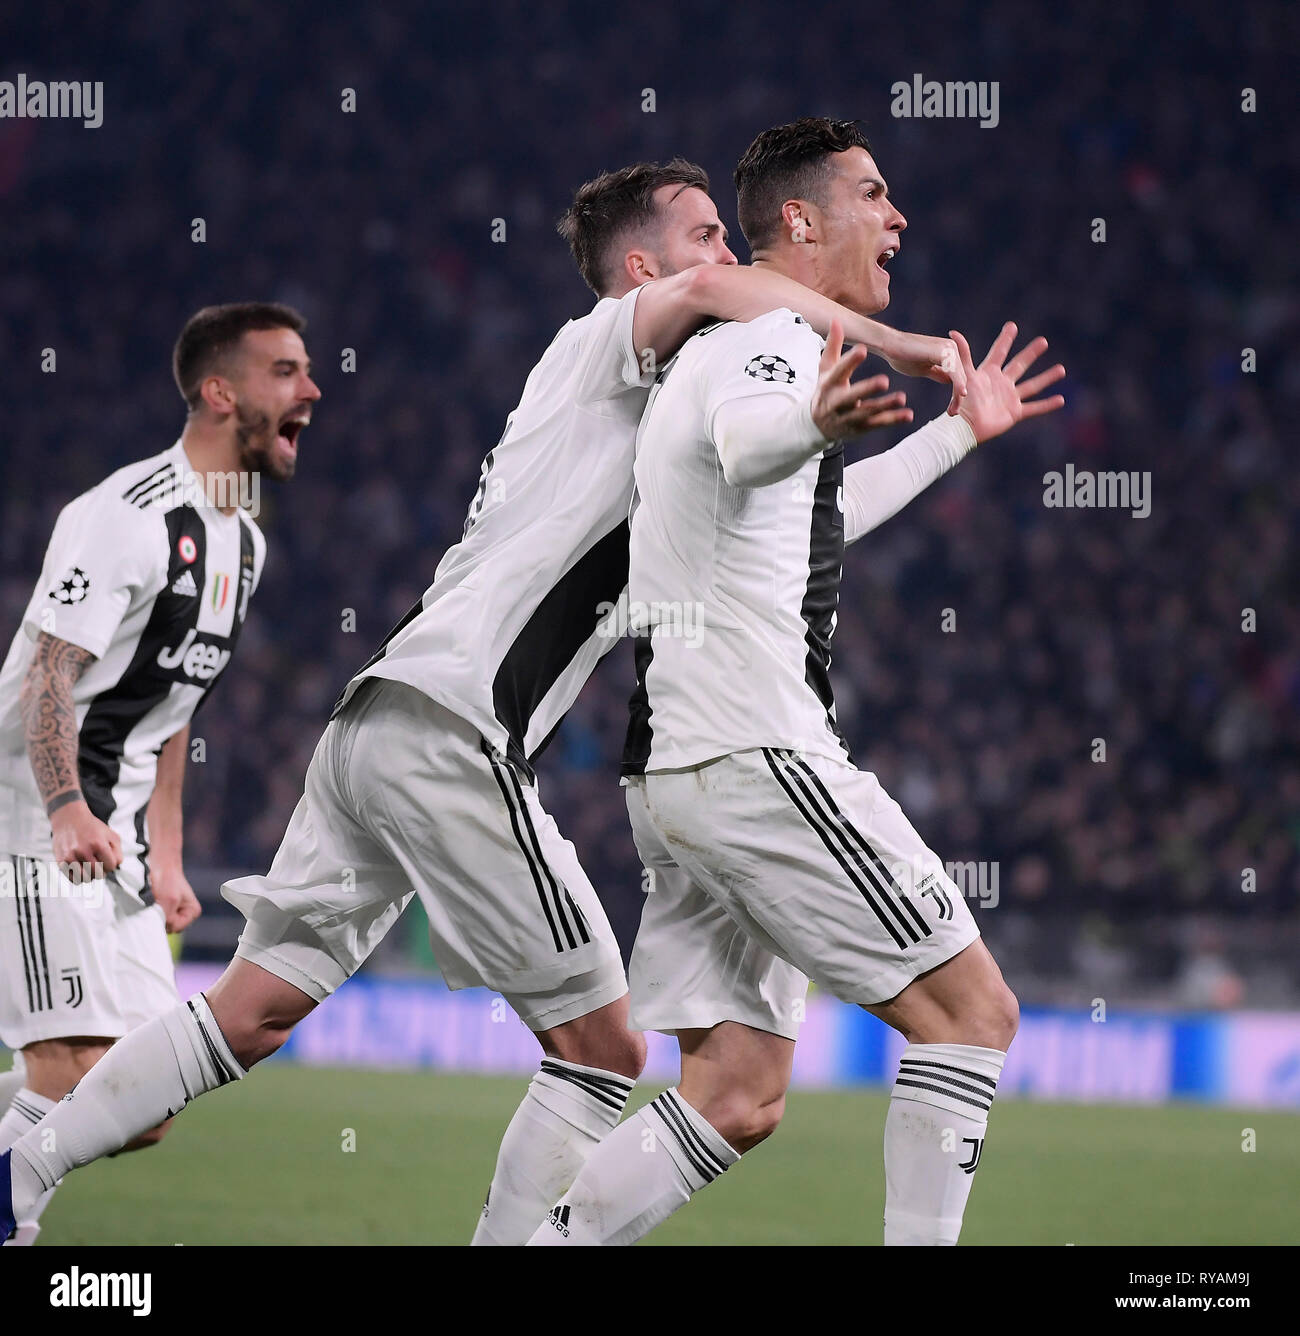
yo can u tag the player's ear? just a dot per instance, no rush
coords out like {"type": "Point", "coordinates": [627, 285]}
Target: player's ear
{"type": "Point", "coordinates": [640, 266]}
{"type": "Point", "coordinates": [796, 222]}
{"type": "Point", "coordinates": [218, 394]}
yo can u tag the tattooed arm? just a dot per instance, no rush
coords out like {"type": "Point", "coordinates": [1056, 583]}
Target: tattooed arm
{"type": "Point", "coordinates": [50, 722]}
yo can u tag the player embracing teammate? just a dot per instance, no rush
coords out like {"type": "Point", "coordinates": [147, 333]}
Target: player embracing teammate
{"type": "Point", "coordinates": [775, 859]}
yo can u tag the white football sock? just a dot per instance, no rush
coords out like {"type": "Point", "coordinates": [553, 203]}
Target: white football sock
{"type": "Point", "coordinates": [934, 1136]}
{"type": "Point", "coordinates": [145, 1078]}
{"type": "Point", "coordinates": [641, 1173]}
{"type": "Point", "coordinates": [26, 1109]}
{"type": "Point", "coordinates": [11, 1082]}
{"type": "Point", "coordinates": [567, 1110]}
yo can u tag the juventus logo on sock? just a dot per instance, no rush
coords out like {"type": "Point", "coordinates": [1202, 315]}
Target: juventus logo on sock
{"type": "Point", "coordinates": [977, 1149]}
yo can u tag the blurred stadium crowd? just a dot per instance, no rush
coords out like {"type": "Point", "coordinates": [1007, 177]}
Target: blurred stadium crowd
{"type": "Point", "coordinates": [1121, 878]}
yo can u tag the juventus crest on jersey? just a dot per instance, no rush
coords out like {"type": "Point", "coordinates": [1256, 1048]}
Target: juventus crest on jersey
{"type": "Point", "coordinates": [155, 583]}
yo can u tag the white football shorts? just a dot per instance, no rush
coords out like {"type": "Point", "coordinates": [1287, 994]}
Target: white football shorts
{"type": "Point", "coordinates": [770, 868]}
{"type": "Point", "coordinates": [404, 797]}
{"type": "Point", "coordinates": [77, 960]}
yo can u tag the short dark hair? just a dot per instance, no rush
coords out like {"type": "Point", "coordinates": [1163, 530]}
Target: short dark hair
{"type": "Point", "coordinates": [608, 207]}
{"type": "Point", "coordinates": [212, 333]}
{"type": "Point", "coordinates": [788, 162]}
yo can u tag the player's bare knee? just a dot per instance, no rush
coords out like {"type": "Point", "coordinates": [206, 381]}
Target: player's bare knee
{"type": "Point", "coordinates": [54, 1066]}
{"type": "Point", "coordinates": [742, 1119]}
{"type": "Point", "coordinates": [627, 1054]}
{"type": "Point", "coordinates": [612, 1048]}
{"type": "Point", "coordinates": [993, 1020]}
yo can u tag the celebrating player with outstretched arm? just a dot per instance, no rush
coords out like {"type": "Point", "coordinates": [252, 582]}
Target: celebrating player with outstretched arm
{"type": "Point", "coordinates": [773, 857]}
{"type": "Point", "coordinates": [138, 609]}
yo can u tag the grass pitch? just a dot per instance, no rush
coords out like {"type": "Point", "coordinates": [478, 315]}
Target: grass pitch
{"type": "Point", "coordinates": [264, 1162]}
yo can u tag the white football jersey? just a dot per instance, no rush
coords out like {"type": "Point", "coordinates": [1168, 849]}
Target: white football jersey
{"type": "Point", "coordinates": [522, 608]}
{"type": "Point", "coordinates": [155, 582]}
{"type": "Point", "coordinates": [737, 587]}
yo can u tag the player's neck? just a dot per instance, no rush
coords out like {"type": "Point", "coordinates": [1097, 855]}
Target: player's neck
{"type": "Point", "coordinates": [799, 263]}
{"type": "Point", "coordinates": [214, 456]}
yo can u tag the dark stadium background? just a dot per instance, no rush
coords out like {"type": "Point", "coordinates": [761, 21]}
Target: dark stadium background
{"type": "Point", "coordinates": [1122, 878]}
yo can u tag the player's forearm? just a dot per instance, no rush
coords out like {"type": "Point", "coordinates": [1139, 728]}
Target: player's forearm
{"type": "Point", "coordinates": [877, 488]}
{"type": "Point", "coordinates": [164, 817]}
{"type": "Point", "coordinates": [670, 310]}
{"type": "Point", "coordinates": [50, 719]}
{"type": "Point", "coordinates": [744, 292]}
{"type": "Point", "coordinates": [764, 438]}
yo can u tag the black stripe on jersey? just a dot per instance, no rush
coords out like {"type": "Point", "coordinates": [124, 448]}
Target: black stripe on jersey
{"type": "Point", "coordinates": [403, 622]}
{"type": "Point", "coordinates": [544, 880]}
{"type": "Point", "coordinates": [160, 490]}
{"type": "Point", "coordinates": [224, 1074]}
{"type": "Point", "coordinates": [35, 918]}
{"type": "Point", "coordinates": [164, 474]}
{"type": "Point", "coordinates": [115, 712]}
{"type": "Point", "coordinates": [640, 731]}
{"type": "Point", "coordinates": [822, 592]}
{"type": "Point", "coordinates": [796, 790]}
{"type": "Point", "coordinates": [884, 880]}
{"type": "Point", "coordinates": [984, 1104]}
{"type": "Point", "coordinates": [706, 1163]}
{"type": "Point", "coordinates": [913, 1066]}
{"type": "Point", "coordinates": [247, 571]}
{"type": "Point", "coordinates": [19, 899]}
{"type": "Point", "coordinates": [585, 1082]}
{"type": "Point", "coordinates": [559, 627]}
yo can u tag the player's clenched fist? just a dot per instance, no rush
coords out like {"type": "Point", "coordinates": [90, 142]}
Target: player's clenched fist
{"type": "Point", "coordinates": [841, 408]}
{"type": "Point", "coordinates": [84, 846]}
{"type": "Point", "coordinates": [172, 890]}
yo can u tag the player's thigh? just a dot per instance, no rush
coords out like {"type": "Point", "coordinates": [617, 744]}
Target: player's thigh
{"type": "Point", "coordinates": [694, 966]}
{"type": "Point", "coordinates": [509, 905]}
{"type": "Point", "coordinates": [332, 891]}
{"type": "Point", "coordinates": [810, 854]}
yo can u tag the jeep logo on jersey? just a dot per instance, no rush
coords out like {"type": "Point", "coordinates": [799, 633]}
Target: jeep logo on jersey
{"type": "Point", "coordinates": [196, 660]}
{"type": "Point", "coordinates": [768, 366]}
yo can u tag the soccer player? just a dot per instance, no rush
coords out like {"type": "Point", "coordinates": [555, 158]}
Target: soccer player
{"type": "Point", "coordinates": [774, 858]}
{"type": "Point", "coordinates": [139, 606]}
{"type": "Point", "coordinates": [423, 780]}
